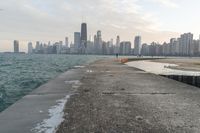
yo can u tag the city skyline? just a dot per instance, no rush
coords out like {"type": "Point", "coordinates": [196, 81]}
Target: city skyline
{"type": "Point", "coordinates": [184, 45]}
{"type": "Point", "coordinates": [154, 20]}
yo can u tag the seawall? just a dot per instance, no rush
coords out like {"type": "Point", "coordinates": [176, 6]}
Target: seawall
{"type": "Point", "coordinates": [34, 110]}
{"type": "Point", "coordinates": [107, 96]}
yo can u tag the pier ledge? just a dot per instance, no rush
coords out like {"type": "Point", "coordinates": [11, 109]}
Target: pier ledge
{"type": "Point", "coordinates": [109, 97]}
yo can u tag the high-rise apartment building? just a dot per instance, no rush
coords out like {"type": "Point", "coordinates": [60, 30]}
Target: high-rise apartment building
{"type": "Point", "coordinates": [99, 42]}
{"type": "Point", "coordinates": [16, 46]}
{"type": "Point", "coordinates": [117, 45]}
{"type": "Point", "coordinates": [30, 48]}
{"type": "Point", "coordinates": [66, 42]}
{"type": "Point", "coordinates": [125, 48]}
{"type": "Point", "coordinates": [186, 44]}
{"type": "Point", "coordinates": [77, 41]}
{"type": "Point", "coordinates": [137, 46]}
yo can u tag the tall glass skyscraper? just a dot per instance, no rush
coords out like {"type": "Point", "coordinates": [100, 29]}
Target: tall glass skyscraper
{"type": "Point", "coordinates": [77, 40]}
{"type": "Point", "coordinates": [84, 34]}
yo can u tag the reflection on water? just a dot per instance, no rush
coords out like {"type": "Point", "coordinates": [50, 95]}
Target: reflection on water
{"type": "Point", "coordinates": [160, 68]}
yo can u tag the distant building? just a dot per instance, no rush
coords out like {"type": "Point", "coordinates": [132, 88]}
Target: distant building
{"type": "Point", "coordinates": [145, 50]}
{"type": "Point", "coordinates": [117, 45]}
{"type": "Point", "coordinates": [58, 46]}
{"type": "Point", "coordinates": [196, 47]}
{"type": "Point", "coordinates": [66, 42]}
{"type": "Point", "coordinates": [125, 48]}
{"type": "Point", "coordinates": [90, 47]}
{"type": "Point", "coordinates": [186, 44]}
{"type": "Point", "coordinates": [95, 45]}
{"type": "Point", "coordinates": [83, 35]}
{"type": "Point", "coordinates": [176, 47]}
{"type": "Point", "coordinates": [37, 47]}
{"type": "Point", "coordinates": [16, 46]}
{"type": "Point", "coordinates": [98, 44]}
{"type": "Point", "coordinates": [30, 48]}
{"type": "Point", "coordinates": [166, 49]}
{"type": "Point", "coordinates": [137, 46]}
{"type": "Point", "coordinates": [77, 41]}
{"type": "Point", "coordinates": [173, 46]}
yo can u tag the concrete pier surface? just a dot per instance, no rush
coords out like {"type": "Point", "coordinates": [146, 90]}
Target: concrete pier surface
{"type": "Point", "coordinates": [109, 97]}
{"type": "Point", "coordinates": [116, 98]}
{"type": "Point", "coordinates": [33, 109]}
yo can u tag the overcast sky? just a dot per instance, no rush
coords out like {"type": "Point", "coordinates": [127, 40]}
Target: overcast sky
{"type": "Point", "coordinates": [52, 20]}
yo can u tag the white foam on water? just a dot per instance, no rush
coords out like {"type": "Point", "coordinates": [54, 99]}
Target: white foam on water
{"type": "Point", "coordinates": [55, 118]}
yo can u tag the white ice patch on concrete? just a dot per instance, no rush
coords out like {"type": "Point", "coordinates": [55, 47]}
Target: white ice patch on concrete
{"type": "Point", "coordinates": [55, 118]}
{"type": "Point", "coordinates": [75, 83]}
{"type": "Point", "coordinates": [41, 111]}
{"type": "Point", "coordinates": [79, 66]}
{"type": "Point", "coordinates": [89, 71]}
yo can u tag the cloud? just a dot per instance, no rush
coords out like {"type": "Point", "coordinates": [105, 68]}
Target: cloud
{"type": "Point", "coordinates": [167, 3]}
{"type": "Point", "coordinates": [118, 26]}
{"type": "Point", "coordinates": [54, 19]}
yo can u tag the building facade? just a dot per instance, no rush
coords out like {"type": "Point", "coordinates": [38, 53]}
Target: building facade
{"type": "Point", "coordinates": [30, 48]}
{"type": "Point", "coordinates": [16, 46]}
{"type": "Point", "coordinates": [137, 46]}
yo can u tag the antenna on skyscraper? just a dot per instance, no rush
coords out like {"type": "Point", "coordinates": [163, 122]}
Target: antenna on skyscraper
{"type": "Point", "coordinates": [83, 18]}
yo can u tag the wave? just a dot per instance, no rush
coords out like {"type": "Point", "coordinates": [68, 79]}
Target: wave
{"type": "Point", "coordinates": [21, 74]}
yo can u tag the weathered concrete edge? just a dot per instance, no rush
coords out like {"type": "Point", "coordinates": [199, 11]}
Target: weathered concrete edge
{"type": "Point", "coordinates": [33, 108]}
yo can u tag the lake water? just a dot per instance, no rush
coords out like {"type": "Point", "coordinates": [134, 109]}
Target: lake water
{"type": "Point", "coordinates": [21, 73]}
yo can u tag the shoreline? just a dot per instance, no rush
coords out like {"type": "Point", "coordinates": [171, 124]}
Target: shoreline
{"type": "Point", "coordinates": [38, 110]}
{"type": "Point", "coordinates": [106, 96]}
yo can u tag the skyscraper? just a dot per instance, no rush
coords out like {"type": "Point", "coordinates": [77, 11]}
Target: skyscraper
{"type": "Point", "coordinates": [16, 46]}
{"type": "Point", "coordinates": [30, 48]}
{"type": "Point", "coordinates": [186, 44]}
{"type": "Point", "coordinates": [118, 41]}
{"type": "Point", "coordinates": [66, 42]}
{"type": "Point", "coordinates": [137, 46]}
{"type": "Point", "coordinates": [77, 41]}
{"type": "Point", "coordinates": [117, 45]}
{"type": "Point", "coordinates": [84, 34]}
{"type": "Point", "coordinates": [125, 48]}
{"type": "Point", "coordinates": [99, 42]}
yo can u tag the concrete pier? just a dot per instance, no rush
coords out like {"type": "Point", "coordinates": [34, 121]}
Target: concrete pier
{"type": "Point", "coordinates": [32, 109]}
{"type": "Point", "coordinates": [117, 98]}
{"type": "Point", "coordinates": [111, 98]}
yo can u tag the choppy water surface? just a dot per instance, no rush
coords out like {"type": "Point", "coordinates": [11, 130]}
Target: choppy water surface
{"type": "Point", "coordinates": [160, 68]}
{"type": "Point", "coordinates": [20, 74]}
